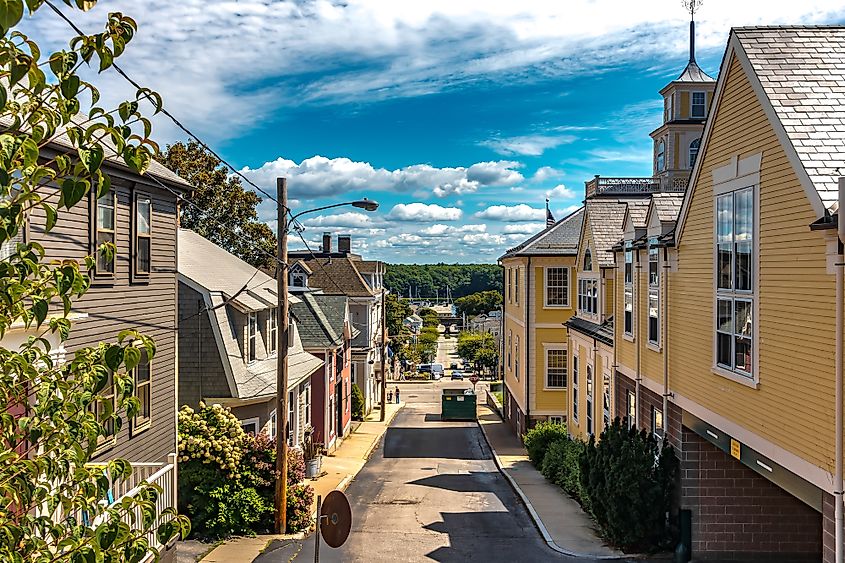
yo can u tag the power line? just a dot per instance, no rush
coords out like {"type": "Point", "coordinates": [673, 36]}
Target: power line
{"type": "Point", "coordinates": [164, 111]}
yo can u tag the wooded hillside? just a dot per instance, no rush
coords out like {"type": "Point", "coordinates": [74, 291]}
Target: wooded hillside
{"type": "Point", "coordinates": [427, 280]}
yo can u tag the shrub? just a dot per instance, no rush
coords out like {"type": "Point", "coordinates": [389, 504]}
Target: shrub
{"type": "Point", "coordinates": [357, 403]}
{"type": "Point", "coordinates": [561, 465]}
{"type": "Point", "coordinates": [227, 478]}
{"type": "Point", "coordinates": [538, 439]}
{"type": "Point", "coordinates": [629, 479]}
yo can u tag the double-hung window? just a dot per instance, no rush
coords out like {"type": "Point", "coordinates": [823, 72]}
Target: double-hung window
{"type": "Point", "coordinates": [575, 387]}
{"type": "Point", "coordinates": [629, 290]}
{"type": "Point", "coordinates": [588, 296]}
{"type": "Point", "coordinates": [509, 286]}
{"type": "Point", "coordinates": [272, 331]}
{"type": "Point", "coordinates": [516, 358]}
{"type": "Point", "coordinates": [510, 347]}
{"type": "Point", "coordinates": [698, 105]}
{"type": "Point", "coordinates": [143, 235]}
{"type": "Point", "coordinates": [661, 155]}
{"type": "Point", "coordinates": [516, 286]}
{"type": "Point", "coordinates": [252, 336]}
{"type": "Point", "coordinates": [589, 400]}
{"type": "Point", "coordinates": [656, 421]}
{"type": "Point", "coordinates": [632, 409]}
{"type": "Point", "coordinates": [555, 368]}
{"type": "Point", "coordinates": [103, 407]}
{"type": "Point", "coordinates": [734, 281]}
{"type": "Point", "coordinates": [557, 287]}
{"type": "Point", "coordinates": [653, 292]}
{"type": "Point", "coordinates": [104, 233]}
{"type": "Point", "coordinates": [606, 399]}
{"type": "Point", "coordinates": [143, 391]}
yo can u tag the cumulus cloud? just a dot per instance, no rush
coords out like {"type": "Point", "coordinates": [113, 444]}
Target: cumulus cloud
{"type": "Point", "coordinates": [424, 213]}
{"type": "Point", "coordinates": [320, 176]}
{"type": "Point", "coordinates": [348, 219]}
{"type": "Point", "coordinates": [523, 228]}
{"type": "Point", "coordinates": [482, 239]}
{"type": "Point", "coordinates": [546, 173]}
{"type": "Point", "coordinates": [440, 230]}
{"type": "Point", "coordinates": [527, 145]}
{"type": "Point", "coordinates": [512, 213]}
{"type": "Point", "coordinates": [560, 192]}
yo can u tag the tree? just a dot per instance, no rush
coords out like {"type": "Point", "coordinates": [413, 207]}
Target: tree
{"type": "Point", "coordinates": [229, 219]}
{"type": "Point", "coordinates": [429, 317]}
{"type": "Point", "coordinates": [397, 311]}
{"type": "Point", "coordinates": [478, 347]}
{"type": "Point", "coordinates": [478, 303]}
{"type": "Point", "coordinates": [429, 280]}
{"type": "Point", "coordinates": [51, 414]}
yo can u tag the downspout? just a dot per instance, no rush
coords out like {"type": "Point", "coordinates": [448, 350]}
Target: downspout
{"type": "Point", "coordinates": [664, 302]}
{"type": "Point", "coordinates": [637, 336]}
{"type": "Point", "coordinates": [528, 308]}
{"type": "Point", "coordinates": [840, 300]}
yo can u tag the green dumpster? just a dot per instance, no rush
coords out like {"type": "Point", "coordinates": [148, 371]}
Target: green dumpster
{"type": "Point", "coordinates": [457, 404]}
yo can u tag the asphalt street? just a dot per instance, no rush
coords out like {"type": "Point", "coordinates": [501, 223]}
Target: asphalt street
{"type": "Point", "coordinates": [430, 492]}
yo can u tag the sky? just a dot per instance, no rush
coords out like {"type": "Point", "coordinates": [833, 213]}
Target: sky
{"type": "Point", "coordinates": [459, 117]}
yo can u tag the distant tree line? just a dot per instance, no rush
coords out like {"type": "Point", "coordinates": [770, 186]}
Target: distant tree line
{"type": "Point", "coordinates": [429, 280]}
{"type": "Point", "coordinates": [478, 303]}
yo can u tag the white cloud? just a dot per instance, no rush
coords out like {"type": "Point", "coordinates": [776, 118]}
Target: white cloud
{"type": "Point", "coordinates": [424, 213]}
{"type": "Point", "coordinates": [560, 192]}
{"type": "Point", "coordinates": [440, 230]}
{"type": "Point", "coordinates": [483, 239]}
{"type": "Point", "coordinates": [527, 145]}
{"type": "Point", "coordinates": [349, 219]}
{"type": "Point", "coordinates": [509, 213]}
{"type": "Point", "coordinates": [546, 173]}
{"type": "Point", "coordinates": [524, 228]}
{"type": "Point", "coordinates": [320, 176]}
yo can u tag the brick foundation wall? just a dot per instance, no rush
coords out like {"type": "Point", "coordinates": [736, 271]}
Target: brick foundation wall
{"type": "Point", "coordinates": [828, 529]}
{"type": "Point", "coordinates": [513, 414]}
{"type": "Point", "coordinates": [739, 515]}
{"type": "Point", "coordinates": [648, 399]}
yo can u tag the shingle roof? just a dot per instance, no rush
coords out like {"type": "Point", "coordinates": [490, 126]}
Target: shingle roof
{"type": "Point", "coordinates": [321, 319]}
{"type": "Point", "coordinates": [602, 332]}
{"type": "Point", "coordinates": [561, 239]}
{"type": "Point", "coordinates": [605, 218]}
{"type": "Point", "coordinates": [638, 210]}
{"type": "Point", "coordinates": [667, 205]}
{"type": "Point", "coordinates": [802, 71]}
{"type": "Point", "coordinates": [217, 270]}
{"type": "Point", "coordinates": [369, 266]}
{"type": "Point", "coordinates": [338, 276]}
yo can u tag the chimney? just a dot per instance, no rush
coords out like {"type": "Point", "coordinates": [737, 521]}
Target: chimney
{"type": "Point", "coordinates": [327, 242]}
{"type": "Point", "coordinates": [344, 244]}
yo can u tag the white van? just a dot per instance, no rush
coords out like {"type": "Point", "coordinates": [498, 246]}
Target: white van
{"type": "Point", "coordinates": [437, 371]}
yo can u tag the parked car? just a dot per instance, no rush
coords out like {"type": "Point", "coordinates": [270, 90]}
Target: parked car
{"type": "Point", "coordinates": [457, 374]}
{"type": "Point", "coordinates": [453, 365]}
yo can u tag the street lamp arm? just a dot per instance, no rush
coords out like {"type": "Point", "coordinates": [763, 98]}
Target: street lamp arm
{"type": "Point", "coordinates": [366, 204]}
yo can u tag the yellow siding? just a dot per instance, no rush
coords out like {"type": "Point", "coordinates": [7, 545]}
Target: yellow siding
{"type": "Point", "coordinates": [684, 105]}
{"type": "Point", "coordinates": [547, 400]}
{"type": "Point", "coordinates": [608, 293]}
{"type": "Point", "coordinates": [625, 349]}
{"type": "Point", "coordinates": [578, 428]}
{"type": "Point", "coordinates": [514, 325]}
{"type": "Point", "coordinates": [793, 404]}
{"type": "Point", "coordinates": [651, 361]}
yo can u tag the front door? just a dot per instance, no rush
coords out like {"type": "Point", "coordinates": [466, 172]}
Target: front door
{"type": "Point", "coordinates": [339, 405]}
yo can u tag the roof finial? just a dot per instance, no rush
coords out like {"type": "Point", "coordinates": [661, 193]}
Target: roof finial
{"type": "Point", "coordinates": [692, 7]}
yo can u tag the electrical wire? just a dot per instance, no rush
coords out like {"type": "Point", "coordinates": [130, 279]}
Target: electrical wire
{"type": "Point", "coordinates": [164, 111]}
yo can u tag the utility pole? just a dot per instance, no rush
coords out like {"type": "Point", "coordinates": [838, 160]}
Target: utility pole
{"type": "Point", "coordinates": [383, 415]}
{"type": "Point", "coordinates": [282, 358]}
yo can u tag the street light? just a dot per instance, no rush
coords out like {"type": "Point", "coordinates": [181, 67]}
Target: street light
{"type": "Point", "coordinates": [282, 357]}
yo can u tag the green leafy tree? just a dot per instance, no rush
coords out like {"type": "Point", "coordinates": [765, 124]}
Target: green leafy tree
{"type": "Point", "coordinates": [429, 280]}
{"type": "Point", "coordinates": [397, 310]}
{"type": "Point", "coordinates": [478, 347]}
{"type": "Point", "coordinates": [429, 317]}
{"type": "Point", "coordinates": [52, 415]}
{"type": "Point", "coordinates": [229, 218]}
{"type": "Point", "coordinates": [478, 303]}
{"type": "Point", "coordinates": [427, 344]}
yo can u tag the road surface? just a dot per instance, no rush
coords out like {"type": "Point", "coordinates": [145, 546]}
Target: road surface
{"type": "Point", "coordinates": [430, 492]}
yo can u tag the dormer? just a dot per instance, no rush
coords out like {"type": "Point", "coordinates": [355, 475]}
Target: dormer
{"type": "Point", "coordinates": [298, 277]}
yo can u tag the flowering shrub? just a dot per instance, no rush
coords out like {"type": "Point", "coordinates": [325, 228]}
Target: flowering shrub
{"type": "Point", "coordinates": [227, 477]}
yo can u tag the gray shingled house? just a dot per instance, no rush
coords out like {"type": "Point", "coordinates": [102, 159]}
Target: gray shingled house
{"type": "Point", "coordinates": [228, 340]}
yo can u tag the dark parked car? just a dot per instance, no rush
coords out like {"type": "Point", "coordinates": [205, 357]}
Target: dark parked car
{"type": "Point", "coordinates": [456, 374]}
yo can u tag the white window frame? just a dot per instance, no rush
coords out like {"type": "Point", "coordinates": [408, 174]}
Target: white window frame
{"type": "Point", "coordinates": [606, 398]}
{"type": "Point", "coordinates": [556, 419]}
{"type": "Point", "coordinates": [628, 296]}
{"type": "Point", "coordinates": [510, 347]}
{"type": "Point", "coordinates": [589, 296]}
{"type": "Point", "coordinates": [657, 426]}
{"type": "Point", "coordinates": [653, 297]}
{"type": "Point", "coordinates": [298, 279]}
{"type": "Point", "coordinates": [142, 389]}
{"type": "Point", "coordinates": [733, 295]}
{"type": "Point", "coordinates": [271, 425]}
{"type": "Point", "coordinates": [251, 337]}
{"type": "Point", "coordinates": [563, 285]}
{"type": "Point", "coordinates": [516, 358]}
{"type": "Point", "coordinates": [660, 156]}
{"type": "Point", "coordinates": [590, 393]}
{"type": "Point", "coordinates": [516, 286]}
{"type": "Point", "coordinates": [555, 348]}
{"type": "Point", "coordinates": [694, 148]}
{"type": "Point", "coordinates": [254, 422]}
{"type": "Point", "coordinates": [508, 286]}
{"type": "Point", "coordinates": [631, 409]}
{"type": "Point", "coordinates": [272, 332]}
{"type": "Point", "coordinates": [703, 105]}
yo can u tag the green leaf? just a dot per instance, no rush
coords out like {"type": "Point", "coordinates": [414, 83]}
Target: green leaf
{"type": "Point", "coordinates": [85, 5]}
{"type": "Point", "coordinates": [92, 158]}
{"type": "Point", "coordinates": [131, 357]}
{"type": "Point", "coordinates": [11, 12]}
{"type": "Point", "coordinates": [72, 192]}
{"type": "Point", "coordinates": [113, 357]}
{"type": "Point", "coordinates": [52, 215]}
{"type": "Point", "coordinates": [106, 58]}
{"type": "Point", "coordinates": [29, 150]}
{"type": "Point", "coordinates": [70, 86]}
{"type": "Point", "coordinates": [39, 309]}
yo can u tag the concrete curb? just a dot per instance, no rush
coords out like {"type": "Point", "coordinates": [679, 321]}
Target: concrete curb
{"type": "Point", "coordinates": [536, 517]}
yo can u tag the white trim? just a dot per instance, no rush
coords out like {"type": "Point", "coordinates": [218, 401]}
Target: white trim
{"type": "Point", "coordinates": [547, 346]}
{"type": "Point", "coordinates": [253, 420]}
{"type": "Point", "coordinates": [519, 322]}
{"type": "Point", "coordinates": [568, 304]}
{"type": "Point", "coordinates": [548, 325]}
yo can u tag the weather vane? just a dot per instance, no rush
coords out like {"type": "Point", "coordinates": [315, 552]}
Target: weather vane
{"type": "Point", "coordinates": [692, 6]}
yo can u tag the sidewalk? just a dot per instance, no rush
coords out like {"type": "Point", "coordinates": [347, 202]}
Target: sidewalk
{"type": "Point", "coordinates": [562, 523]}
{"type": "Point", "coordinates": [338, 470]}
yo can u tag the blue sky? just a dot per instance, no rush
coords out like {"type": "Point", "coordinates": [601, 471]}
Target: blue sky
{"type": "Point", "coordinates": [458, 117]}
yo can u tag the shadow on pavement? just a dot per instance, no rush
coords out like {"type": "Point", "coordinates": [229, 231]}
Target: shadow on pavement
{"type": "Point", "coordinates": [433, 417]}
{"type": "Point", "coordinates": [447, 443]}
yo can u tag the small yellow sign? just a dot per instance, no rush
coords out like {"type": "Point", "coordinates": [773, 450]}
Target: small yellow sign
{"type": "Point", "coordinates": [735, 448]}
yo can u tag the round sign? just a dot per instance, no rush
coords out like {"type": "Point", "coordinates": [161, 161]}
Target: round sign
{"type": "Point", "coordinates": [336, 519]}
{"type": "Point", "coordinates": [473, 379]}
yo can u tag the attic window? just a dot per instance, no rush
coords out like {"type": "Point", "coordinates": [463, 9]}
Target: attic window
{"type": "Point", "coordinates": [588, 261]}
{"type": "Point", "coordinates": [298, 279]}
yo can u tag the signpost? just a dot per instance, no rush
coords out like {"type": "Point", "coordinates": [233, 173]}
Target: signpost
{"type": "Point", "coordinates": [473, 379]}
{"type": "Point", "coordinates": [334, 521]}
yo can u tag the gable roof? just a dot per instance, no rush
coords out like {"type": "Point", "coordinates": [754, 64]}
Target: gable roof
{"type": "Point", "coordinates": [369, 266]}
{"type": "Point", "coordinates": [638, 211]}
{"type": "Point", "coordinates": [802, 73]}
{"type": "Point", "coordinates": [216, 270]}
{"type": "Point", "coordinates": [605, 219]}
{"type": "Point", "coordinates": [561, 239]}
{"type": "Point", "coordinates": [321, 320]}
{"type": "Point", "coordinates": [667, 206]}
{"type": "Point", "coordinates": [338, 275]}
{"type": "Point", "coordinates": [300, 264]}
